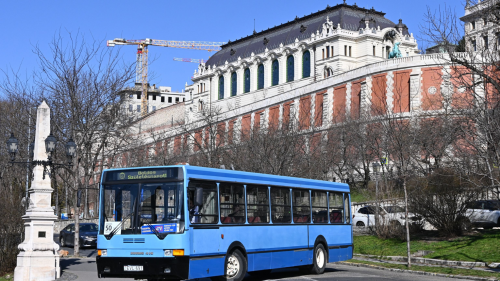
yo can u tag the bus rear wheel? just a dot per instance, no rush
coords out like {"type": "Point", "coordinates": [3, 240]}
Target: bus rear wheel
{"type": "Point", "coordinates": [319, 259]}
{"type": "Point", "coordinates": [235, 267]}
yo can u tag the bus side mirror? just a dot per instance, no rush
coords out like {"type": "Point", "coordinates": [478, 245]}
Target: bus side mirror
{"type": "Point", "coordinates": [198, 197]}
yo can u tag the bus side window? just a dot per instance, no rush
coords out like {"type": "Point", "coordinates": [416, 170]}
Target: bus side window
{"type": "Point", "coordinates": [336, 208]}
{"type": "Point", "coordinates": [280, 205]}
{"type": "Point", "coordinates": [320, 209]}
{"type": "Point", "coordinates": [232, 203]}
{"type": "Point", "coordinates": [301, 206]}
{"type": "Point", "coordinates": [209, 211]}
{"type": "Point", "coordinates": [347, 208]}
{"type": "Point", "coordinates": [257, 204]}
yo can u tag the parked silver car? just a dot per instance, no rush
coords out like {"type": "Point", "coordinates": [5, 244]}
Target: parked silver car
{"type": "Point", "coordinates": [484, 213]}
{"type": "Point", "coordinates": [392, 214]}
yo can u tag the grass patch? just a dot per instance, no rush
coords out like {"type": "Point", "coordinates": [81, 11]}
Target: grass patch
{"type": "Point", "coordinates": [442, 270]}
{"type": "Point", "coordinates": [478, 248]}
{"type": "Point", "coordinates": [4, 278]}
{"type": "Point", "coordinates": [359, 196]}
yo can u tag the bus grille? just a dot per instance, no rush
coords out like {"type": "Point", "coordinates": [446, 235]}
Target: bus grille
{"type": "Point", "coordinates": [134, 240]}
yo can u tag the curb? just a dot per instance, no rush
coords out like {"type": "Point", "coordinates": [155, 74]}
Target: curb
{"type": "Point", "coordinates": [434, 261]}
{"type": "Point", "coordinates": [418, 272]}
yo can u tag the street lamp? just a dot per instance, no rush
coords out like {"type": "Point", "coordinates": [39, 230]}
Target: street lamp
{"type": "Point", "coordinates": [12, 146]}
{"type": "Point", "coordinates": [50, 147]}
{"type": "Point", "coordinates": [70, 150]}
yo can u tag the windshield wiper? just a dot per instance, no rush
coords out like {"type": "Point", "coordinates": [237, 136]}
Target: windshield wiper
{"type": "Point", "coordinates": [160, 236]}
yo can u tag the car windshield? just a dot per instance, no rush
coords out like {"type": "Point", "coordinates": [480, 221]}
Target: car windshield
{"type": "Point", "coordinates": [394, 209]}
{"type": "Point", "coordinates": [88, 227]}
{"type": "Point", "coordinates": [135, 205]}
{"type": "Point", "coordinates": [493, 205]}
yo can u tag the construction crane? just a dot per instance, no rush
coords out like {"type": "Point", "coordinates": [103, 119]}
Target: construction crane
{"type": "Point", "coordinates": [141, 75]}
{"type": "Point", "coordinates": [191, 60]}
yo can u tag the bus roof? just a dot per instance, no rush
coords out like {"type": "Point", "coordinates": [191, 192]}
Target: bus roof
{"type": "Point", "coordinates": [194, 172]}
{"type": "Point", "coordinates": [203, 173]}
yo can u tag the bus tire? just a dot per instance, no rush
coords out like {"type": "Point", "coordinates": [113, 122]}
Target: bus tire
{"type": "Point", "coordinates": [319, 259]}
{"type": "Point", "coordinates": [236, 266]}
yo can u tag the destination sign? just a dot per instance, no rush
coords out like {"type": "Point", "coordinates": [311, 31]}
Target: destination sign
{"type": "Point", "coordinates": [143, 174]}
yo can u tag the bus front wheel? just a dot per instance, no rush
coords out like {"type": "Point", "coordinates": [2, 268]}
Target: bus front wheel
{"type": "Point", "coordinates": [235, 267]}
{"type": "Point", "coordinates": [319, 259]}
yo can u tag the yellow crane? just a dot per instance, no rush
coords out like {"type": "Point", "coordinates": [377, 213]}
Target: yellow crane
{"type": "Point", "coordinates": [141, 75]}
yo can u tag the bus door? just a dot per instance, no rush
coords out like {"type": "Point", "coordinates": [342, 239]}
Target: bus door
{"type": "Point", "coordinates": [203, 218]}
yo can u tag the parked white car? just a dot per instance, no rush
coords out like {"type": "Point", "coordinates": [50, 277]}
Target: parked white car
{"type": "Point", "coordinates": [484, 213]}
{"type": "Point", "coordinates": [365, 216]}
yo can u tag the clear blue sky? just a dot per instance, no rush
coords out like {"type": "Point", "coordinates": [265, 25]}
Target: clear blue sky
{"type": "Point", "coordinates": [25, 23]}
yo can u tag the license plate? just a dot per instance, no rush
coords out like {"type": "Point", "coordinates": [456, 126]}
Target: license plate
{"type": "Point", "coordinates": [133, 268]}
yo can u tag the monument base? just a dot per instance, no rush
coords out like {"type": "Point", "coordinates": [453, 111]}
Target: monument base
{"type": "Point", "coordinates": [37, 266]}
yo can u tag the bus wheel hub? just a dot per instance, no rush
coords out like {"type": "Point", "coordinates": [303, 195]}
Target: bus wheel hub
{"type": "Point", "coordinates": [233, 266]}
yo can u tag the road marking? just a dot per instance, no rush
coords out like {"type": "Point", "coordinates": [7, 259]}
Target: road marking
{"type": "Point", "coordinates": [307, 278]}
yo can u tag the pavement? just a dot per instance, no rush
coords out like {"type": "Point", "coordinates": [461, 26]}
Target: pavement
{"type": "Point", "coordinates": [85, 269]}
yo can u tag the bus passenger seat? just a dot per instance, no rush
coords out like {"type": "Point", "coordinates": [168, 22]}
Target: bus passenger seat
{"type": "Point", "coordinates": [257, 219]}
{"type": "Point", "coordinates": [225, 219]}
{"type": "Point", "coordinates": [250, 219]}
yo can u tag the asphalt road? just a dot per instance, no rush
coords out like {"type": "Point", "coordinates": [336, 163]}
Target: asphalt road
{"type": "Point", "coordinates": [85, 269]}
{"type": "Point", "coordinates": [84, 252]}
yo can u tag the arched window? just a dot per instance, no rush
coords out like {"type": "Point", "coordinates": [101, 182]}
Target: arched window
{"type": "Point", "coordinates": [234, 84]}
{"type": "Point", "coordinates": [221, 87]}
{"type": "Point", "coordinates": [328, 72]}
{"type": "Point", "coordinates": [290, 64]}
{"type": "Point", "coordinates": [260, 77]}
{"type": "Point", "coordinates": [247, 80]}
{"type": "Point", "coordinates": [306, 64]}
{"type": "Point", "coordinates": [275, 77]}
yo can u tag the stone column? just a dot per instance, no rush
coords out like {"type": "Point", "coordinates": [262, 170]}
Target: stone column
{"type": "Point", "coordinates": [38, 259]}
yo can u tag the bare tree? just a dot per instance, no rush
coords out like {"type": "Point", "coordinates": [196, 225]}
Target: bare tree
{"type": "Point", "coordinates": [81, 81]}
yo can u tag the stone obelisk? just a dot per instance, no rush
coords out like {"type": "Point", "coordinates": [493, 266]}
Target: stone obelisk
{"type": "Point", "coordinates": [38, 259]}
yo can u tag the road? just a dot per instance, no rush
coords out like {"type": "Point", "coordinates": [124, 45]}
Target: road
{"type": "Point", "coordinates": [84, 252]}
{"type": "Point", "coordinates": [85, 269]}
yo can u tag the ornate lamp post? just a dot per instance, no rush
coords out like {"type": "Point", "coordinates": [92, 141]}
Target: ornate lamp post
{"type": "Point", "coordinates": [48, 165]}
{"type": "Point", "coordinates": [50, 147]}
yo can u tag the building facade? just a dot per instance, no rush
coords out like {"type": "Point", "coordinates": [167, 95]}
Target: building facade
{"type": "Point", "coordinates": [158, 98]}
{"type": "Point", "coordinates": [341, 63]}
{"type": "Point", "coordinates": [481, 25]}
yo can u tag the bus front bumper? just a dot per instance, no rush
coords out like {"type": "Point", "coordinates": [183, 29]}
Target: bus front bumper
{"type": "Point", "coordinates": [166, 268]}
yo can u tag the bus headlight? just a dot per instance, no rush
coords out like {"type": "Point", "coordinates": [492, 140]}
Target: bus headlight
{"type": "Point", "coordinates": [167, 253]}
{"type": "Point", "coordinates": [102, 253]}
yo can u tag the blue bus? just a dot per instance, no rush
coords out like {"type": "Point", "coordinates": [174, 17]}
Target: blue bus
{"type": "Point", "coordinates": [183, 222]}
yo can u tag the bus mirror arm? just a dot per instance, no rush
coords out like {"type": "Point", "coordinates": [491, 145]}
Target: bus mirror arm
{"type": "Point", "coordinates": [198, 197]}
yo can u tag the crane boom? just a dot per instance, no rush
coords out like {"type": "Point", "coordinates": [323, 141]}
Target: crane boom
{"type": "Point", "coordinates": [191, 60]}
{"type": "Point", "coordinates": [141, 75]}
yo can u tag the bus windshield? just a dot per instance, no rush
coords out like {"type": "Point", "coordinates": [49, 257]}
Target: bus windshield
{"type": "Point", "coordinates": [129, 207]}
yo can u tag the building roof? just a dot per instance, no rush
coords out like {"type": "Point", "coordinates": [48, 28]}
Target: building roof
{"type": "Point", "coordinates": [349, 17]}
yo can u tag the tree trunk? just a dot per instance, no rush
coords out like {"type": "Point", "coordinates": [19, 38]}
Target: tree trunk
{"type": "Point", "coordinates": [76, 242]}
{"type": "Point", "coordinates": [407, 224]}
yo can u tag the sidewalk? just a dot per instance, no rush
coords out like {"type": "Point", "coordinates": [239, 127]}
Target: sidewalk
{"type": "Point", "coordinates": [81, 269]}
{"type": "Point", "coordinates": [492, 267]}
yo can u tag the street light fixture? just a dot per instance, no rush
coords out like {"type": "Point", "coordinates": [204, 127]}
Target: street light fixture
{"type": "Point", "coordinates": [12, 146]}
{"type": "Point", "coordinates": [70, 150]}
{"type": "Point", "coordinates": [50, 145]}
{"type": "Point", "coordinates": [50, 148]}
